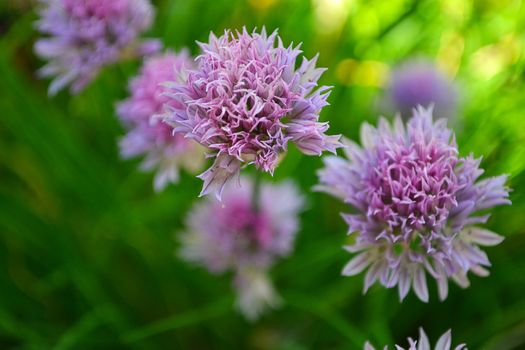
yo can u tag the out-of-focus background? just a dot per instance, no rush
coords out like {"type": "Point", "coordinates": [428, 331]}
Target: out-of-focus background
{"type": "Point", "coordinates": [87, 248]}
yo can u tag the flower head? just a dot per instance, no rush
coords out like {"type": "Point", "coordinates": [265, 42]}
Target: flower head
{"type": "Point", "coordinates": [418, 205]}
{"type": "Point", "coordinates": [444, 343]}
{"type": "Point", "coordinates": [245, 233]}
{"type": "Point", "coordinates": [85, 35]}
{"type": "Point", "coordinates": [147, 135]}
{"type": "Point", "coordinates": [246, 100]}
{"type": "Point", "coordinates": [419, 82]}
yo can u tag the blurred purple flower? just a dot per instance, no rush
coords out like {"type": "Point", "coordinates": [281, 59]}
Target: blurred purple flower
{"type": "Point", "coordinates": [444, 343]}
{"type": "Point", "coordinates": [85, 35]}
{"type": "Point", "coordinates": [418, 204]}
{"type": "Point", "coordinates": [245, 233]}
{"type": "Point", "coordinates": [419, 82]}
{"type": "Point", "coordinates": [246, 100]}
{"type": "Point", "coordinates": [149, 136]}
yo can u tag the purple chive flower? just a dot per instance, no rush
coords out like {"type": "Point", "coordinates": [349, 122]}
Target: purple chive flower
{"type": "Point", "coordinates": [246, 234]}
{"type": "Point", "coordinates": [246, 100]}
{"type": "Point", "coordinates": [147, 135]}
{"type": "Point", "coordinates": [82, 36]}
{"type": "Point", "coordinates": [444, 343]}
{"type": "Point", "coordinates": [419, 82]}
{"type": "Point", "coordinates": [419, 205]}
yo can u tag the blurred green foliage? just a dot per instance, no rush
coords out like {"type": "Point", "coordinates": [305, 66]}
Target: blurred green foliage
{"type": "Point", "coordinates": [87, 250]}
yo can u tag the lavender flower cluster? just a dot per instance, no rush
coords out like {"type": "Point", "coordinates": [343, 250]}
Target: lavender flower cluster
{"type": "Point", "coordinates": [246, 236]}
{"type": "Point", "coordinates": [148, 135]}
{"type": "Point", "coordinates": [82, 36]}
{"type": "Point", "coordinates": [443, 343]}
{"type": "Point", "coordinates": [245, 102]}
{"type": "Point", "coordinates": [419, 205]}
{"type": "Point", "coordinates": [417, 81]}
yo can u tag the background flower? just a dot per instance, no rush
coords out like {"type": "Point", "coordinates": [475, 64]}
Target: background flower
{"type": "Point", "coordinates": [419, 205]}
{"type": "Point", "coordinates": [246, 100]}
{"type": "Point", "coordinates": [245, 233]}
{"type": "Point", "coordinates": [147, 135]}
{"type": "Point", "coordinates": [419, 81]}
{"type": "Point", "coordinates": [82, 36]}
{"type": "Point", "coordinates": [444, 343]}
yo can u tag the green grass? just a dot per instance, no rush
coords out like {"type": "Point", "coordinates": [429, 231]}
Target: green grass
{"type": "Point", "coordinates": [87, 248]}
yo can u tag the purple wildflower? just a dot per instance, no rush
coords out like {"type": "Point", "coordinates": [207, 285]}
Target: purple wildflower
{"type": "Point", "coordinates": [444, 343]}
{"type": "Point", "coordinates": [419, 82]}
{"type": "Point", "coordinates": [149, 136]}
{"type": "Point", "coordinates": [418, 205]}
{"type": "Point", "coordinates": [246, 100]}
{"type": "Point", "coordinates": [246, 237]}
{"type": "Point", "coordinates": [85, 35]}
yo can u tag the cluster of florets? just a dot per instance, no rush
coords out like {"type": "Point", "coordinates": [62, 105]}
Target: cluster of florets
{"type": "Point", "coordinates": [245, 233]}
{"type": "Point", "coordinates": [149, 136]}
{"type": "Point", "coordinates": [246, 100]}
{"type": "Point", "coordinates": [85, 35]}
{"type": "Point", "coordinates": [418, 204]}
{"type": "Point", "coordinates": [418, 82]}
{"type": "Point", "coordinates": [443, 343]}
